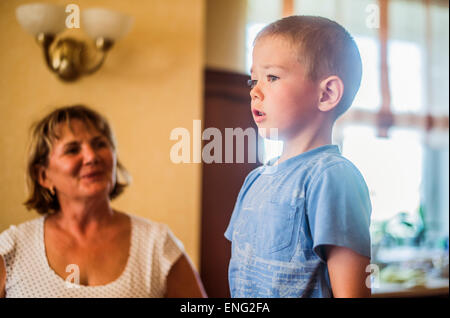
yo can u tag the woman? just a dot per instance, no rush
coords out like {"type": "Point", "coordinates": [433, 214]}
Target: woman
{"type": "Point", "coordinates": [81, 246]}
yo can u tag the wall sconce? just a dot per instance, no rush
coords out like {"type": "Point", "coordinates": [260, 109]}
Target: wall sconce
{"type": "Point", "coordinates": [67, 57]}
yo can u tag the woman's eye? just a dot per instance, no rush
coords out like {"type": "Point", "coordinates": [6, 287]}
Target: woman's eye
{"type": "Point", "coordinates": [71, 150]}
{"type": "Point", "coordinates": [252, 83]}
{"type": "Point", "coordinates": [100, 144]}
{"type": "Point", "coordinates": [272, 78]}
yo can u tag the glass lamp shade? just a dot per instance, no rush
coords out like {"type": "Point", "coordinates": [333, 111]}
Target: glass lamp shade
{"type": "Point", "coordinates": [41, 18]}
{"type": "Point", "coordinates": [107, 24]}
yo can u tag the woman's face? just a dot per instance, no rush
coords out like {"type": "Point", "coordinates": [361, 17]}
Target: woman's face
{"type": "Point", "coordinates": [81, 165]}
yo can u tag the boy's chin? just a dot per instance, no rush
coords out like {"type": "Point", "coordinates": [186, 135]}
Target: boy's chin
{"type": "Point", "coordinates": [268, 133]}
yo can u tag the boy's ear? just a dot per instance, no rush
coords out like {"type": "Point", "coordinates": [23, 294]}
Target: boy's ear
{"type": "Point", "coordinates": [331, 91]}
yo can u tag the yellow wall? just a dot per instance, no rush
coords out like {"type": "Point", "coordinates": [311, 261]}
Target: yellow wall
{"type": "Point", "coordinates": [225, 35]}
{"type": "Point", "coordinates": [150, 84]}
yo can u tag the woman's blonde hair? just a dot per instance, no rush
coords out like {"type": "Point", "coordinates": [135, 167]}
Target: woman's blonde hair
{"type": "Point", "coordinates": [44, 132]}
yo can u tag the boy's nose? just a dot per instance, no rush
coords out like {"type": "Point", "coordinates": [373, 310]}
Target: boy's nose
{"type": "Point", "coordinates": [255, 93]}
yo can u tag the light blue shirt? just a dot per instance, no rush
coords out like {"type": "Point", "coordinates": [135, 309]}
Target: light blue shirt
{"type": "Point", "coordinates": [283, 216]}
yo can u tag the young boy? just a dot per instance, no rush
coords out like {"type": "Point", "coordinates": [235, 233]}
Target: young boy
{"type": "Point", "coordinates": [300, 226]}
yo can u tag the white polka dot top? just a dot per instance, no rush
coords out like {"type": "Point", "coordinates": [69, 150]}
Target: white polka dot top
{"type": "Point", "coordinates": [153, 251]}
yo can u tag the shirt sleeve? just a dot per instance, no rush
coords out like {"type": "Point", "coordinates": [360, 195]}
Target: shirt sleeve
{"type": "Point", "coordinates": [172, 250]}
{"type": "Point", "coordinates": [7, 241]}
{"type": "Point", "coordinates": [237, 206]}
{"type": "Point", "coordinates": [8, 248]}
{"type": "Point", "coordinates": [338, 210]}
{"type": "Point", "coordinates": [167, 251]}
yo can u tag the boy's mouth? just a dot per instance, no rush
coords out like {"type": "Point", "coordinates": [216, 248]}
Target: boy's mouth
{"type": "Point", "coordinates": [258, 115]}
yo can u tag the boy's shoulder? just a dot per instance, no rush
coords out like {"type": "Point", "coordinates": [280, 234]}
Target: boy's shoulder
{"type": "Point", "coordinates": [337, 174]}
{"type": "Point", "coordinates": [333, 166]}
{"type": "Point", "coordinates": [331, 160]}
{"type": "Point", "coordinates": [251, 176]}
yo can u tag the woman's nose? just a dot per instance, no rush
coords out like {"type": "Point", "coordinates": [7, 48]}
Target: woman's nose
{"type": "Point", "coordinates": [90, 155]}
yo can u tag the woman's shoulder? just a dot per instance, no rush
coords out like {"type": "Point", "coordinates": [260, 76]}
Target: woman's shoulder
{"type": "Point", "coordinates": [148, 225]}
{"type": "Point", "coordinates": [157, 231]}
{"type": "Point", "coordinates": [9, 237]}
{"type": "Point", "coordinates": [24, 227]}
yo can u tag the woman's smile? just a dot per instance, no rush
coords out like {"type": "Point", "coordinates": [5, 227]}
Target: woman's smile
{"type": "Point", "coordinates": [95, 175]}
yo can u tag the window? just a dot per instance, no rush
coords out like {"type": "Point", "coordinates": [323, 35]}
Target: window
{"type": "Point", "coordinates": [391, 167]}
{"type": "Point", "coordinates": [368, 96]}
{"type": "Point", "coordinates": [406, 76]}
{"type": "Point", "coordinates": [407, 172]}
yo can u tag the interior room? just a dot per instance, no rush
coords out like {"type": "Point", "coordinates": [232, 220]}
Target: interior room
{"type": "Point", "coordinates": [172, 71]}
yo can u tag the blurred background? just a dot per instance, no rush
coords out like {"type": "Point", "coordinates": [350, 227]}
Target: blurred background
{"type": "Point", "coordinates": [185, 60]}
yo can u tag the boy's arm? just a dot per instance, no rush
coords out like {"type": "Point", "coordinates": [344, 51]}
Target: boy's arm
{"type": "Point", "coordinates": [347, 270]}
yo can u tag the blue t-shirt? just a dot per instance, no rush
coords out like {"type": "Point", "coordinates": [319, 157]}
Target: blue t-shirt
{"type": "Point", "coordinates": [283, 216]}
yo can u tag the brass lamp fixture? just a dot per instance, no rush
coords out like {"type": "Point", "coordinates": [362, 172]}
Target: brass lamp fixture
{"type": "Point", "coordinates": [67, 57]}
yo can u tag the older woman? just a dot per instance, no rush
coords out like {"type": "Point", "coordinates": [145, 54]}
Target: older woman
{"type": "Point", "coordinates": [81, 246]}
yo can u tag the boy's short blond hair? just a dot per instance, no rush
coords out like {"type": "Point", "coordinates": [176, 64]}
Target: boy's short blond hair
{"type": "Point", "coordinates": [325, 48]}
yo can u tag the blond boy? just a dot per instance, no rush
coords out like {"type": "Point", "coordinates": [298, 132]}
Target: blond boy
{"type": "Point", "coordinates": [300, 226]}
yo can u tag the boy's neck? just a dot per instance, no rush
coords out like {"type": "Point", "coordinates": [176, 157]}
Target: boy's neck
{"type": "Point", "coordinates": [306, 140]}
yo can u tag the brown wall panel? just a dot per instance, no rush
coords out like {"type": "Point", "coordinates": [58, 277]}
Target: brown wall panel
{"type": "Point", "coordinates": [227, 105]}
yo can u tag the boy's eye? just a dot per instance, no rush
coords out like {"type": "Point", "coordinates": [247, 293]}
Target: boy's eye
{"type": "Point", "coordinates": [272, 78]}
{"type": "Point", "coordinates": [252, 83]}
